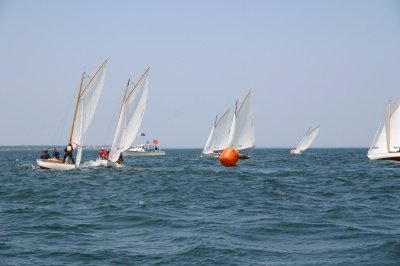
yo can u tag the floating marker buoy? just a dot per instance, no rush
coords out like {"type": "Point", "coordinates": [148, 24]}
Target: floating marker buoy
{"type": "Point", "coordinates": [229, 157]}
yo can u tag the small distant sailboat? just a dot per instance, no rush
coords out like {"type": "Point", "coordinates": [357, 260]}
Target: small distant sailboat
{"type": "Point", "coordinates": [86, 103]}
{"type": "Point", "coordinates": [234, 129]}
{"type": "Point", "coordinates": [306, 141]}
{"type": "Point", "coordinates": [130, 118]}
{"type": "Point", "coordinates": [386, 143]}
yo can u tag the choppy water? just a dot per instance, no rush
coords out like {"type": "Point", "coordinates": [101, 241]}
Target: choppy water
{"type": "Point", "coordinates": [326, 207]}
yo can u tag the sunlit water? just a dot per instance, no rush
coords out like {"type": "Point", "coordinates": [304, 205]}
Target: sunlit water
{"type": "Point", "coordinates": [325, 207]}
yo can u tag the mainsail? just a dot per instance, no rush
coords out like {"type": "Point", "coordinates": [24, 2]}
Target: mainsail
{"type": "Point", "coordinates": [131, 116]}
{"type": "Point", "coordinates": [379, 144]}
{"type": "Point", "coordinates": [88, 97]}
{"type": "Point", "coordinates": [308, 139]}
{"type": "Point", "coordinates": [394, 129]}
{"type": "Point", "coordinates": [218, 138]}
{"type": "Point", "coordinates": [242, 133]}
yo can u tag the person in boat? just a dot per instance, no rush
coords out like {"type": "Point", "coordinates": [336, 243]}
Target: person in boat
{"type": "Point", "coordinates": [56, 154]}
{"type": "Point", "coordinates": [120, 159]}
{"type": "Point", "coordinates": [69, 153]}
{"type": "Point", "coordinates": [45, 154]}
{"type": "Point", "coordinates": [103, 153]}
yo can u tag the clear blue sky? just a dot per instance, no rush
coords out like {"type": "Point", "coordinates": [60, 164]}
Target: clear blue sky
{"type": "Point", "coordinates": [333, 63]}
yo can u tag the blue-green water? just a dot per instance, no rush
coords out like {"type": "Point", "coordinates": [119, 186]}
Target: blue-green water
{"type": "Point", "coordinates": [326, 207]}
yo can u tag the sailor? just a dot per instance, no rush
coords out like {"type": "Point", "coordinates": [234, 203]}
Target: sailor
{"type": "Point", "coordinates": [56, 154]}
{"type": "Point", "coordinates": [120, 159]}
{"type": "Point", "coordinates": [103, 153]}
{"type": "Point", "coordinates": [45, 154]}
{"type": "Point", "coordinates": [68, 153]}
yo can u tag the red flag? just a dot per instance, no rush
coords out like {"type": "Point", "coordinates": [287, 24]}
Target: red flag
{"type": "Point", "coordinates": [155, 142]}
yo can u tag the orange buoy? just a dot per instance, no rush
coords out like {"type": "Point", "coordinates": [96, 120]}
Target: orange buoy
{"type": "Point", "coordinates": [229, 157]}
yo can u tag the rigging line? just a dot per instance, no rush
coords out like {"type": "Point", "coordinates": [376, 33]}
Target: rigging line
{"type": "Point", "coordinates": [62, 123]}
{"type": "Point", "coordinates": [110, 129]}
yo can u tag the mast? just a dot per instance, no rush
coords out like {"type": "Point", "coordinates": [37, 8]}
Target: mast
{"type": "Point", "coordinates": [138, 82]}
{"type": "Point", "coordinates": [76, 108]}
{"type": "Point", "coordinates": [123, 100]}
{"type": "Point", "coordinates": [388, 130]}
{"type": "Point", "coordinates": [81, 91]}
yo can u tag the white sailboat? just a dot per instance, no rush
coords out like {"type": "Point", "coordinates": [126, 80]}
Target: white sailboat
{"type": "Point", "coordinates": [218, 138]}
{"type": "Point", "coordinates": [242, 134]}
{"type": "Point", "coordinates": [87, 99]}
{"type": "Point", "coordinates": [306, 141]}
{"type": "Point", "coordinates": [386, 143]}
{"type": "Point", "coordinates": [234, 129]}
{"type": "Point", "coordinates": [130, 118]}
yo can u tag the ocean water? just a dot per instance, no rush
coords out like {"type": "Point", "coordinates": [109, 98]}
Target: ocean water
{"type": "Point", "coordinates": [325, 207]}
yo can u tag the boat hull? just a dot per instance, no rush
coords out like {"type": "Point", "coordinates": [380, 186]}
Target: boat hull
{"type": "Point", "coordinates": [295, 151]}
{"type": "Point", "coordinates": [216, 155]}
{"type": "Point", "coordinates": [132, 152]}
{"type": "Point", "coordinates": [106, 163]}
{"type": "Point", "coordinates": [390, 156]}
{"type": "Point", "coordinates": [54, 164]}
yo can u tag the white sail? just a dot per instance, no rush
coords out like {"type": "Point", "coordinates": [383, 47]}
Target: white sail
{"type": "Point", "coordinates": [131, 116]}
{"type": "Point", "coordinates": [87, 102]}
{"type": "Point", "coordinates": [222, 130]}
{"type": "Point", "coordinates": [218, 138]}
{"type": "Point", "coordinates": [209, 147]}
{"type": "Point", "coordinates": [242, 134]}
{"type": "Point", "coordinates": [308, 139]}
{"type": "Point", "coordinates": [379, 144]}
{"type": "Point", "coordinates": [395, 129]}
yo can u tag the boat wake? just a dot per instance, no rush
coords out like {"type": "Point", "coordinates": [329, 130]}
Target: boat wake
{"type": "Point", "coordinates": [90, 164]}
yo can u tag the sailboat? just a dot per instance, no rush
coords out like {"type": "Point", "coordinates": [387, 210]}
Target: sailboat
{"type": "Point", "coordinates": [234, 129]}
{"type": "Point", "coordinates": [242, 134]}
{"type": "Point", "coordinates": [87, 99]}
{"type": "Point", "coordinates": [306, 141]}
{"type": "Point", "coordinates": [218, 138]}
{"type": "Point", "coordinates": [130, 118]}
{"type": "Point", "coordinates": [386, 143]}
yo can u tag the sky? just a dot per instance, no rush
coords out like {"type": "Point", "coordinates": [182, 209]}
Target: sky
{"type": "Point", "coordinates": [332, 63]}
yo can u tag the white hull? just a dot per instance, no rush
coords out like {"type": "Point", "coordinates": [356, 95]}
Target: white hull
{"type": "Point", "coordinates": [133, 152]}
{"type": "Point", "coordinates": [295, 151]}
{"type": "Point", "coordinates": [106, 163]}
{"type": "Point", "coordinates": [217, 154]}
{"type": "Point", "coordinates": [55, 164]}
{"type": "Point", "coordinates": [393, 156]}
{"type": "Point", "coordinates": [210, 155]}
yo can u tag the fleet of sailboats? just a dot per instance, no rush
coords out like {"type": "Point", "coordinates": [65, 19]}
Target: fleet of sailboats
{"type": "Point", "coordinates": [234, 129]}
{"type": "Point", "coordinates": [386, 143]}
{"type": "Point", "coordinates": [306, 141]}
{"type": "Point", "coordinates": [130, 119]}
{"type": "Point", "coordinates": [86, 103]}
